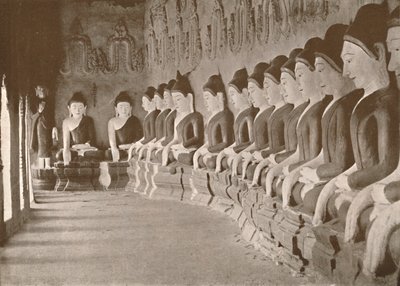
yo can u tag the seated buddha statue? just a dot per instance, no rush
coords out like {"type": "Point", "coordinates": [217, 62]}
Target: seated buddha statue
{"type": "Point", "coordinates": [149, 123]}
{"type": "Point", "coordinates": [292, 95]}
{"type": "Point", "coordinates": [189, 129]}
{"type": "Point", "coordinates": [336, 155]}
{"type": "Point", "coordinates": [219, 127]}
{"type": "Point", "coordinates": [43, 129]}
{"type": "Point", "coordinates": [123, 129]}
{"type": "Point", "coordinates": [260, 124]}
{"type": "Point", "coordinates": [382, 197]}
{"type": "Point", "coordinates": [275, 123]}
{"type": "Point", "coordinates": [309, 124]}
{"type": "Point", "coordinates": [243, 124]}
{"type": "Point", "coordinates": [78, 133]}
{"type": "Point", "coordinates": [373, 122]}
{"type": "Point", "coordinates": [160, 120]}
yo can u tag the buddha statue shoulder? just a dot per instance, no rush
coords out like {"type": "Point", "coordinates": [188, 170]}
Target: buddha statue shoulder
{"type": "Point", "coordinates": [219, 127]}
{"type": "Point", "coordinates": [123, 129]}
{"type": "Point", "coordinates": [79, 138]}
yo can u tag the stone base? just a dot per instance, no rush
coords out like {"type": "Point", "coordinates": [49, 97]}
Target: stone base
{"type": "Point", "coordinates": [222, 205]}
{"type": "Point", "coordinates": [43, 179]}
{"type": "Point", "coordinates": [200, 183]}
{"type": "Point", "coordinates": [233, 191]}
{"type": "Point", "coordinates": [236, 212]}
{"type": "Point", "coordinates": [249, 232]}
{"type": "Point", "coordinates": [168, 182]}
{"type": "Point", "coordinates": [113, 175]}
{"type": "Point", "coordinates": [219, 183]}
{"type": "Point", "coordinates": [131, 172]}
{"type": "Point", "coordinates": [77, 176]}
{"type": "Point", "coordinates": [141, 177]}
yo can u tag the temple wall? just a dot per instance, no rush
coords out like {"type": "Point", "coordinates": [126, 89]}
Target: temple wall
{"type": "Point", "coordinates": [102, 44]}
{"type": "Point", "coordinates": [207, 37]}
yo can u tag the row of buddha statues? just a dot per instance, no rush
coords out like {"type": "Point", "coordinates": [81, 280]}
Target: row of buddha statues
{"type": "Point", "coordinates": [316, 132]}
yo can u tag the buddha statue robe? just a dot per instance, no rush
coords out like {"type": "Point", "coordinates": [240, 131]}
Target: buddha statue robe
{"type": "Point", "coordinates": [374, 138]}
{"type": "Point", "coordinates": [309, 135]}
{"type": "Point", "coordinates": [82, 134]}
{"type": "Point", "coordinates": [220, 135]}
{"type": "Point", "coordinates": [129, 133]}
{"type": "Point", "coordinates": [190, 132]}
{"type": "Point", "coordinates": [290, 135]}
{"type": "Point", "coordinates": [41, 140]}
{"type": "Point", "coordinates": [336, 147]}
{"type": "Point", "coordinates": [243, 131]}
{"type": "Point", "coordinates": [276, 140]}
{"type": "Point", "coordinates": [149, 126]}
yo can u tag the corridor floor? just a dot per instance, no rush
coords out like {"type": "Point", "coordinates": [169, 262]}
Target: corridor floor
{"type": "Point", "coordinates": [106, 238]}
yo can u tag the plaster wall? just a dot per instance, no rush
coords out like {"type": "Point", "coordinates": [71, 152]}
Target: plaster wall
{"type": "Point", "coordinates": [98, 21]}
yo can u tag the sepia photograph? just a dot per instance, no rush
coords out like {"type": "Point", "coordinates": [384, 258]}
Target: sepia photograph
{"type": "Point", "coordinates": [199, 142]}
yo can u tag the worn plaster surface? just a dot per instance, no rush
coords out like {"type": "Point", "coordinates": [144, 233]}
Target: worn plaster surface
{"type": "Point", "coordinates": [108, 238]}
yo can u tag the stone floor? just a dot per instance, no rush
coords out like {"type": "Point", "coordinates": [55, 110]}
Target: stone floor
{"type": "Point", "coordinates": [105, 238]}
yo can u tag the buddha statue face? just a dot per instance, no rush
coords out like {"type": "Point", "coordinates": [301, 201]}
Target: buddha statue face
{"type": "Point", "coordinates": [393, 44]}
{"type": "Point", "coordinates": [148, 105]}
{"type": "Point", "coordinates": [272, 90]}
{"type": "Point", "coordinates": [290, 87]}
{"type": "Point", "coordinates": [123, 109]}
{"type": "Point", "coordinates": [169, 103]}
{"type": "Point", "coordinates": [239, 100]}
{"type": "Point", "coordinates": [213, 103]}
{"type": "Point", "coordinates": [77, 109]}
{"type": "Point", "coordinates": [307, 81]}
{"type": "Point", "coordinates": [362, 68]}
{"type": "Point", "coordinates": [183, 104]}
{"type": "Point", "coordinates": [159, 102]}
{"type": "Point", "coordinates": [256, 95]}
{"type": "Point", "coordinates": [41, 106]}
{"type": "Point", "coordinates": [329, 78]}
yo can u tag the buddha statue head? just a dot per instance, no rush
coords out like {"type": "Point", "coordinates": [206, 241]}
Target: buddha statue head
{"type": "Point", "coordinates": [148, 102]}
{"type": "Point", "coordinates": [237, 90]}
{"type": "Point", "coordinates": [214, 94]}
{"type": "Point", "coordinates": [272, 80]}
{"type": "Point", "coordinates": [306, 76]}
{"type": "Point", "coordinates": [393, 43]}
{"type": "Point", "coordinates": [123, 105]}
{"type": "Point", "coordinates": [77, 105]}
{"type": "Point", "coordinates": [329, 64]}
{"type": "Point", "coordinates": [41, 91]}
{"type": "Point", "coordinates": [182, 94]}
{"type": "Point", "coordinates": [168, 101]}
{"type": "Point", "coordinates": [255, 86]}
{"type": "Point", "coordinates": [288, 79]}
{"type": "Point", "coordinates": [364, 53]}
{"type": "Point", "coordinates": [159, 97]}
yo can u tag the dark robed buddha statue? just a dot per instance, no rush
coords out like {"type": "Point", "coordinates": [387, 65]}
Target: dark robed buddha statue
{"type": "Point", "coordinates": [189, 129]}
{"type": "Point", "coordinates": [292, 96]}
{"type": "Point", "coordinates": [243, 124]}
{"type": "Point", "coordinates": [149, 123]}
{"type": "Point", "coordinates": [79, 138]}
{"type": "Point", "coordinates": [309, 124]}
{"type": "Point", "coordinates": [260, 124]}
{"type": "Point", "coordinates": [219, 127]}
{"type": "Point", "coordinates": [275, 123]}
{"type": "Point", "coordinates": [383, 197]}
{"type": "Point", "coordinates": [374, 120]}
{"type": "Point", "coordinates": [337, 154]}
{"type": "Point", "coordinates": [123, 129]}
{"type": "Point", "coordinates": [43, 129]}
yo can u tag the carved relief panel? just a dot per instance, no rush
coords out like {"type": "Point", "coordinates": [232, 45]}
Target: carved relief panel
{"type": "Point", "coordinates": [82, 59]}
{"type": "Point", "coordinates": [242, 26]}
{"type": "Point", "coordinates": [216, 34]}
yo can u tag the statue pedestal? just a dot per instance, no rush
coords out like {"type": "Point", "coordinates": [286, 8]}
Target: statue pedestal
{"type": "Point", "coordinates": [131, 172]}
{"type": "Point", "coordinates": [43, 179]}
{"type": "Point", "coordinates": [114, 175]}
{"type": "Point", "coordinates": [77, 176]}
{"type": "Point", "coordinates": [219, 183]}
{"type": "Point", "coordinates": [202, 194]}
{"type": "Point", "coordinates": [233, 190]}
{"type": "Point", "coordinates": [168, 183]}
{"type": "Point", "coordinates": [141, 173]}
{"type": "Point", "coordinates": [251, 198]}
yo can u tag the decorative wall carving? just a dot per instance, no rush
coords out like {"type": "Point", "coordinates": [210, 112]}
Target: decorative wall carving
{"type": "Point", "coordinates": [242, 26]}
{"type": "Point", "coordinates": [82, 59]}
{"type": "Point", "coordinates": [184, 46]}
{"type": "Point", "coordinates": [122, 54]}
{"type": "Point", "coordinates": [77, 51]}
{"type": "Point", "coordinates": [216, 35]}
